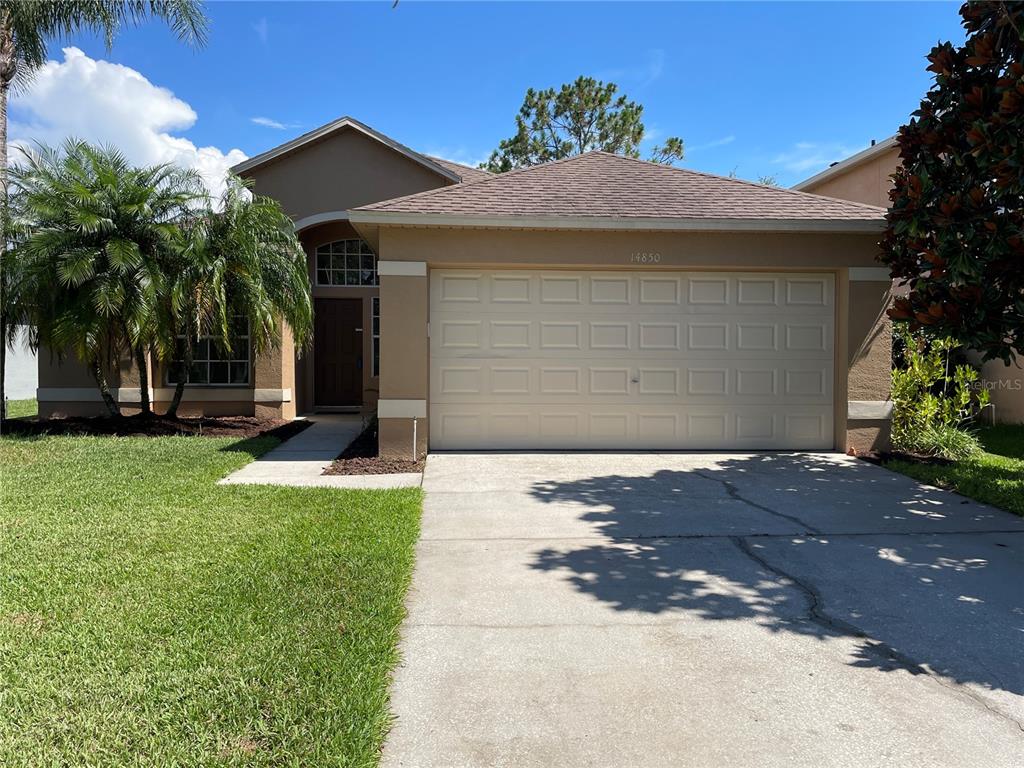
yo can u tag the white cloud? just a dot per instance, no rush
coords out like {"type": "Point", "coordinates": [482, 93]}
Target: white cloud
{"type": "Point", "coordinates": [269, 122]}
{"type": "Point", "coordinates": [262, 30]}
{"type": "Point", "coordinates": [653, 133]}
{"type": "Point", "coordinates": [655, 65]}
{"type": "Point", "coordinates": [712, 144]}
{"type": "Point", "coordinates": [807, 156]}
{"type": "Point", "coordinates": [458, 155]}
{"type": "Point", "coordinates": [107, 103]}
{"type": "Point", "coordinates": [643, 74]}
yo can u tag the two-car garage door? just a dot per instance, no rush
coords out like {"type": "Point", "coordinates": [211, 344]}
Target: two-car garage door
{"type": "Point", "coordinates": [687, 360]}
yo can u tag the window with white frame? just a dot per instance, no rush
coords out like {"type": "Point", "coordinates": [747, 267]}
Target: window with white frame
{"type": "Point", "coordinates": [212, 363]}
{"type": "Point", "coordinates": [346, 263]}
{"type": "Point", "coordinates": [375, 304]}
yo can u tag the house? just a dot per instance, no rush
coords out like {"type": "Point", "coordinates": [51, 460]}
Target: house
{"type": "Point", "coordinates": [865, 178]}
{"type": "Point", "coordinates": [598, 302]}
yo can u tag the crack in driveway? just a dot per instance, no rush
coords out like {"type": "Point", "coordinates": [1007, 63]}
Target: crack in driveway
{"type": "Point", "coordinates": [879, 648]}
{"type": "Point", "coordinates": [734, 493]}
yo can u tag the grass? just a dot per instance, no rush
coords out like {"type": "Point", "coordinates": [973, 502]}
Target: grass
{"type": "Point", "coordinates": [19, 408]}
{"type": "Point", "coordinates": [151, 617]}
{"type": "Point", "coordinates": [995, 477]}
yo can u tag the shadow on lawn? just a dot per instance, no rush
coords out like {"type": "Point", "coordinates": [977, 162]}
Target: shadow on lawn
{"type": "Point", "coordinates": [911, 601]}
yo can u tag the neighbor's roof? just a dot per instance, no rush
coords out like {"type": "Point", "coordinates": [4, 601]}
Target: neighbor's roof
{"type": "Point", "coordinates": [606, 191]}
{"type": "Point", "coordinates": [340, 124]}
{"type": "Point", "coordinates": [468, 173]}
{"type": "Point", "coordinates": [848, 164]}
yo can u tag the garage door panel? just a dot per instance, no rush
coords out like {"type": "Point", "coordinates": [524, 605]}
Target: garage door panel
{"type": "Point", "coordinates": [696, 293]}
{"type": "Point", "coordinates": [651, 336]}
{"type": "Point", "coordinates": [695, 427]}
{"type": "Point", "coordinates": [764, 382]}
{"type": "Point", "coordinates": [631, 360]}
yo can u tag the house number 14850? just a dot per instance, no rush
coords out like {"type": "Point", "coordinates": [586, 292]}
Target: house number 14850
{"type": "Point", "coordinates": [642, 257]}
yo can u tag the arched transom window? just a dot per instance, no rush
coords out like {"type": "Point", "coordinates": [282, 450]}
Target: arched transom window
{"type": "Point", "coordinates": [346, 263]}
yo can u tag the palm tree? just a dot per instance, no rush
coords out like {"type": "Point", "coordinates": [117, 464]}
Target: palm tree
{"type": "Point", "coordinates": [96, 237]}
{"type": "Point", "coordinates": [244, 264]}
{"type": "Point", "coordinates": [25, 28]}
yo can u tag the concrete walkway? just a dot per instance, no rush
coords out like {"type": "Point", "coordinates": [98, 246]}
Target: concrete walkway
{"type": "Point", "coordinates": [302, 459]}
{"type": "Point", "coordinates": [707, 610]}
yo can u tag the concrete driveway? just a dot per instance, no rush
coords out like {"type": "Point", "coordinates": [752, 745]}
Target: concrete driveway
{"type": "Point", "coordinates": [707, 610]}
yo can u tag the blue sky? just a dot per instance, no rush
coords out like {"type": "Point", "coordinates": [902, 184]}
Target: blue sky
{"type": "Point", "coordinates": [762, 88]}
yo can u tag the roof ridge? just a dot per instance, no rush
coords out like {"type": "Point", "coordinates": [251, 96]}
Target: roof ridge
{"type": "Point", "coordinates": [736, 180]}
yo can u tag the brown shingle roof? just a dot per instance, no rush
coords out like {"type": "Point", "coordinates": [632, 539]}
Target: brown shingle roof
{"type": "Point", "coordinates": [467, 173]}
{"type": "Point", "coordinates": [600, 185]}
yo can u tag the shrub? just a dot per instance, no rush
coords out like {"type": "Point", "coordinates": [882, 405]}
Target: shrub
{"type": "Point", "coordinates": [933, 407]}
{"type": "Point", "coordinates": [948, 443]}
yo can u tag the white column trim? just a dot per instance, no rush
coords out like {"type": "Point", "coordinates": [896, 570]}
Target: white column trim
{"type": "Point", "coordinates": [402, 268]}
{"type": "Point", "coordinates": [402, 409]}
{"type": "Point", "coordinates": [869, 275]}
{"type": "Point", "coordinates": [869, 410]}
{"type": "Point", "coordinates": [272, 395]}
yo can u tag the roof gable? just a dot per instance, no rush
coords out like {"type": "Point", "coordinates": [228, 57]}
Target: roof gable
{"type": "Point", "coordinates": [341, 124]}
{"type": "Point", "coordinates": [599, 189]}
{"type": "Point", "coordinates": [853, 161]}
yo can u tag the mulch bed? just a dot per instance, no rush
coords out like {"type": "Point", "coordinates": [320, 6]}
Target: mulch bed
{"type": "Point", "coordinates": [360, 458]}
{"type": "Point", "coordinates": [158, 426]}
{"type": "Point", "coordinates": [880, 458]}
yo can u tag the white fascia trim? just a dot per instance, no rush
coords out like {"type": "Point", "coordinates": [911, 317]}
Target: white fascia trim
{"type": "Point", "coordinates": [343, 122]}
{"type": "Point", "coordinates": [402, 268]}
{"type": "Point", "coordinates": [869, 275]}
{"type": "Point", "coordinates": [320, 218]}
{"type": "Point", "coordinates": [402, 409]}
{"type": "Point", "coordinates": [869, 410]}
{"type": "Point", "coordinates": [851, 162]}
{"type": "Point", "coordinates": [619, 223]}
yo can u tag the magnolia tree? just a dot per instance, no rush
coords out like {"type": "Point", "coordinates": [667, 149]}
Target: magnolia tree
{"type": "Point", "coordinates": [955, 235]}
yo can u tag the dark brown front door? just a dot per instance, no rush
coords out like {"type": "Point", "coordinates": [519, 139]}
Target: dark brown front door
{"type": "Point", "coordinates": [338, 352]}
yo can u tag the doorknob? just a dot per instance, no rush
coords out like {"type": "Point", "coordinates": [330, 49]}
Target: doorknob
{"type": "Point", "coordinates": [359, 330]}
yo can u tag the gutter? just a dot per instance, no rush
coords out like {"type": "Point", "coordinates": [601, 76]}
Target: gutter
{"type": "Point", "coordinates": [391, 218]}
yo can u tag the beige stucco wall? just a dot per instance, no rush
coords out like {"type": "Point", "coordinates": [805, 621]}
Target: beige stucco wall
{"type": "Point", "coordinates": [868, 182]}
{"type": "Point", "coordinates": [67, 389]}
{"type": "Point", "coordinates": [1005, 385]}
{"type": "Point", "coordinates": [869, 358]}
{"type": "Point", "coordinates": [862, 339]}
{"type": "Point", "coordinates": [344, 170]}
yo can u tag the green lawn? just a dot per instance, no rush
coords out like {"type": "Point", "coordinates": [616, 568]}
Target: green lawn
{"type": "Point", "coordinates": [17, 408]}
{"type": "Point", "coordinates": [151, 617]}
{"type": "Point", "coordinates": [995, 477]}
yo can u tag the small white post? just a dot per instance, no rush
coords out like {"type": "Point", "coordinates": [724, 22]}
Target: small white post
{"type": "Point", "coordinates": [414, 438]}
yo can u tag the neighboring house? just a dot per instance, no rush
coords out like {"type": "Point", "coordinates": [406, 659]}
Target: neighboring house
{"type": "Point", "coordinates": [866, 178]}
{"type": "Point", "coordinates": [598, 302]}
{"type": "Point", "coordinates": [21, 374]}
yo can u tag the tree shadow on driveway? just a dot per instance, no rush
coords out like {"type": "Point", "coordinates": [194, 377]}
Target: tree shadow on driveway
{"type": "Point", "coordinates": [922, 581]}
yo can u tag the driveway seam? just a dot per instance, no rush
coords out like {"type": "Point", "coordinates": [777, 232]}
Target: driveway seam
{"type": "Point", "coordinates": [879, 648]}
